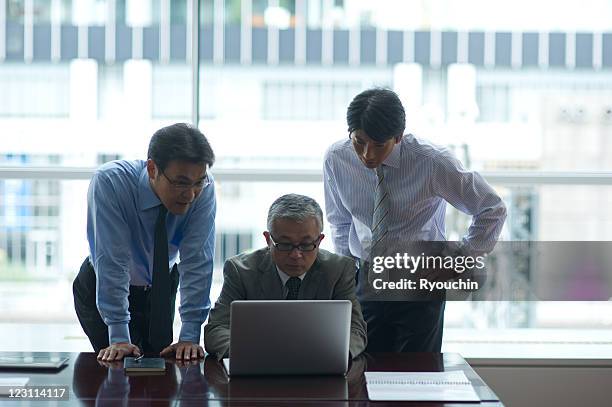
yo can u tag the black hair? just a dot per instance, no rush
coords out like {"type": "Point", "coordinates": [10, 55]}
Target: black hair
{"type": "Point", "coordinates": [181, 142]}
{"type": "Point", "coordinates": [378, 112]}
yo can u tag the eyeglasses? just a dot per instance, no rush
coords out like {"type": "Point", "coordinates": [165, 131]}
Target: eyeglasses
{"type": "Point", "coordinates": [288, 247]}
{"type": "Point", "coordinates": [184, 186]}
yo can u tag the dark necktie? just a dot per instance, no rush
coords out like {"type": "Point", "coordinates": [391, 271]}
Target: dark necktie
{"type": "Point", "coordinates": [160, 327]}
{"type": "Point", "coordinates": [293, 285]}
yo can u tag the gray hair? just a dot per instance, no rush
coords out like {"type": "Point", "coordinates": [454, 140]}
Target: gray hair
{"type": "Point", "coordinates": [295, 207]}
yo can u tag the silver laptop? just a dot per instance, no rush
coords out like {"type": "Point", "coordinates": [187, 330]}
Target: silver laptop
{"type": "Point", "coordinates": [289, 337]}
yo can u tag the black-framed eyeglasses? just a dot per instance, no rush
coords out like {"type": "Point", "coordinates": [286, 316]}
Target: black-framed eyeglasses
{"type": "Point", "coordinates": [303, 247]}
{"type": "Point", "coordinates": [184, 186]}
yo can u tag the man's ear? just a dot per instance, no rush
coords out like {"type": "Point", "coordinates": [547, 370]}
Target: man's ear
{"type": "Point", "coordinates": [398, 139]}
{"type": "Point", "coordinates": [151, 169]}
{"type": "Point", "coordinates": [267, 236]}
{"type": "Point", "coordinates": [321, 237]}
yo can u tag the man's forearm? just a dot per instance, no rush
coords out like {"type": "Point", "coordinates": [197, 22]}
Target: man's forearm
{"type": "Point", "coordinates": [195, 303]}
{"type": "Point", "coordinates": [112, 302]}
{"type": "Point", "coordinates": [485, 230]}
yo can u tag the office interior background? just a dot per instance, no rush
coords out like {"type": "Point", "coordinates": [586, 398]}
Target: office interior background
{"type": "Point", "coordinates": [520, 91]}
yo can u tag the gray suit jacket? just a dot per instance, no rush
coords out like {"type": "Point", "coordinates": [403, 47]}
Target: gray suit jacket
{"type": "Point", "coordinates": [253, 276]}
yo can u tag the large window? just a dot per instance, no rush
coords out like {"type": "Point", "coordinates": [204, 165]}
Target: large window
{"type": "Point", "coordinates": [81, 83]}
{"type": "Point", "coordinates": [85, 82]}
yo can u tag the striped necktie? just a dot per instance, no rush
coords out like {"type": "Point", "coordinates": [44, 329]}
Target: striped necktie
{"type": "Point", "coordinates": [293, 286]}
{"type": "Point", "coordinates": [380, 219]}
{"type": "Point", "coordinates": [160, 325]}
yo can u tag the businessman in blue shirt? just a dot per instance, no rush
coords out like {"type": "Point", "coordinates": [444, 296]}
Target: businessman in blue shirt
{"type": "Point", "coordinates": [141, 215]}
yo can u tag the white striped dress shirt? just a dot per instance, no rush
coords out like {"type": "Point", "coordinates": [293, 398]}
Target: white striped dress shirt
{"type": "Point", "coordinates": [421, 178]}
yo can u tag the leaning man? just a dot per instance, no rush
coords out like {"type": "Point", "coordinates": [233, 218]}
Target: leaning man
{"type": "Point", "coordinates": [140, 216]}
{"type": "Point", "coordinates": [385, 188]}
{"type": "Point", "coordinates": [290, 267]}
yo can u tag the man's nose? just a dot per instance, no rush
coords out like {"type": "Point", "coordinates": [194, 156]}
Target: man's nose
{"type": "Point", "coordinates": [368, 152]}
{"type": "Point", "coordinates": [295, 253]}
{"type": "Point", "coordinates": [189, 194]}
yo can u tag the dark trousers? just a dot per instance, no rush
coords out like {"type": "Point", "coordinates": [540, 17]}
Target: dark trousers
{"type": "Point", "coordinates": [404, 326]}
{"type": "Point", "coordinates": [401, 326]}
{"type": "Point", "coordinates": [84, 290]}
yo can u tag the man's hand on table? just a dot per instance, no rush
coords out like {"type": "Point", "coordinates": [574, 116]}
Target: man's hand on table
{"type": "Point", "coordinates": [184, 350]}
{"type": "Point", "coordinates": [117, 351]}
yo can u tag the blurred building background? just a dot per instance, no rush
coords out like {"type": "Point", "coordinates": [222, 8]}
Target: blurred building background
{"type": "Point", "coordinates": [509, 86]}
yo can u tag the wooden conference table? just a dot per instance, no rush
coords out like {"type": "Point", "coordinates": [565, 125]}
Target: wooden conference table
{"type": "Point", "coordinates": [204, 382]}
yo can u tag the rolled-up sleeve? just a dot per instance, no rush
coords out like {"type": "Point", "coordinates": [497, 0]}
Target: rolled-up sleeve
{"type": "Point", "coordinates": [470, 193]}
{"type": "Point", "coordinates": [197, 251]}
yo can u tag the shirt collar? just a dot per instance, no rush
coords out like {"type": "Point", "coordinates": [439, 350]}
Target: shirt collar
{"type": "Point", "coordinates": [285, 277]}
{"type": "Point", "coordinates": [393, 159]}
{"type": "Point", "coordinates": [146, 197]}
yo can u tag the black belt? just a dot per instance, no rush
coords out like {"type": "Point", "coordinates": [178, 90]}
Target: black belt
{"type": "Point", "coordinates": [143, 288]}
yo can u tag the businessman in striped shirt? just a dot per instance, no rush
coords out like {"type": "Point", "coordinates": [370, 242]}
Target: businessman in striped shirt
{"type": "Point", "coordinates": [382, 187]}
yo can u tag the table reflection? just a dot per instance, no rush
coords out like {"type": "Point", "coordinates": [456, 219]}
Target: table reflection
{"type": "Point", "coordinates": [105, 383]}
{"type": "Point", "coordinates": [287, 388]}
{"type": "Point", "coordinates": [204, 382]}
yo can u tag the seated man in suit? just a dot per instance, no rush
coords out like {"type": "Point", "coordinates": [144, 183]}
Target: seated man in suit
{"type": "Point", "coordinates": [291, 267]}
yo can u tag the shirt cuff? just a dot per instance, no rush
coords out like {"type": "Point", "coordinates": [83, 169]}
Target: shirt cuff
{"type": "Point", "coordinates": [118, 333]}
{"type": "Point", "coordinates": [190, 332]}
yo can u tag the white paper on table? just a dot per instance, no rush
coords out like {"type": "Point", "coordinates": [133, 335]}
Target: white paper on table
{"type": "Point", "coordinates": [420, 386]}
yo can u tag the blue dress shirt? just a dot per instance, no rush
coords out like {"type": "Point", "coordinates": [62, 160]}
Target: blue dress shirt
{"type": "Point", "coordinates": [421, 178]}
{"type": "Point", "coordinates": [121, 214]}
